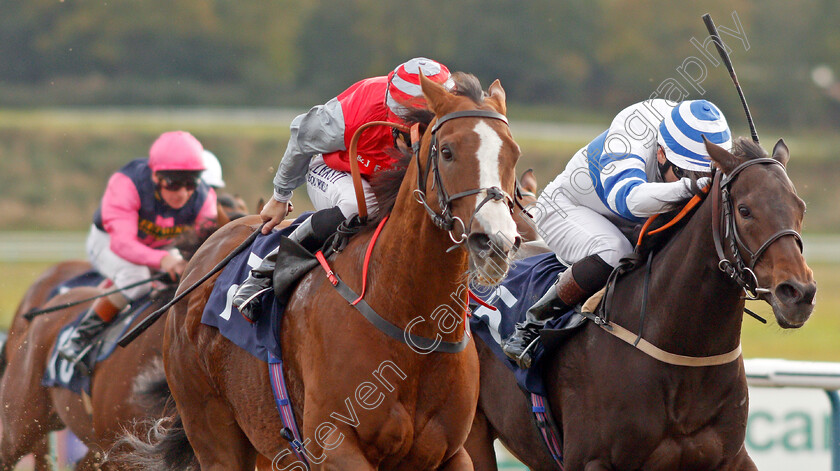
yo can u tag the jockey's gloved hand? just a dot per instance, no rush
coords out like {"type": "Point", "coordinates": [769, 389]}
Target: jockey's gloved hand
{"type": "Point", "coordinates": [173, 264]}
{"type": "Point", "coordinates": [703, 182]}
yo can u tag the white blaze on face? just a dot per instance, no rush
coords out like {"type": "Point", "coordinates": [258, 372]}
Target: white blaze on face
{"type": "Point", "coordinates": [494, 217]}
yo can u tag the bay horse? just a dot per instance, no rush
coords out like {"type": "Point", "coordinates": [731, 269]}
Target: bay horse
{"type": "Point", "coordinates": [618, 408]}
{"type": "Point", "coordinates": [36, 295]}
{"type": "Point", "coordinates": [31, 411]}
{"type": "Point", "coordinates": [526, 198]}
{"type": "Point", "coordinates": [420, 416]}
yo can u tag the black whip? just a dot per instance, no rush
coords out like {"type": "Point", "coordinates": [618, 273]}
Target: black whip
{"type": "Point", "coordinates": [37, 312]}
{"type": "Point", "coordinates": [710, 25]}
{"type": "Point", "coordinates": [148, 321]}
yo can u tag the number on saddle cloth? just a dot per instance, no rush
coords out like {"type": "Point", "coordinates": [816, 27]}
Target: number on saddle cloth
{"type": "Point", "coordinates": [527, 281]}
{"type": "Point", "coordinates": [76, 378]}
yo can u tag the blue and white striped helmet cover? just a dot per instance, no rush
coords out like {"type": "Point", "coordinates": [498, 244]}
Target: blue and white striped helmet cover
{"type": "Point", "coordinates": [680, 134]}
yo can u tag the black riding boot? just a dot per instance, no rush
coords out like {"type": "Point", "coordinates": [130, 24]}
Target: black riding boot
{"type": "Point", "coordinates": [520, 346]}
{"type": "Point", "coordinates": [89, 327]}
{"type": "Point", "coordinates": [564, 294]}
{"type": "Point", "coordinates": [311, 234]}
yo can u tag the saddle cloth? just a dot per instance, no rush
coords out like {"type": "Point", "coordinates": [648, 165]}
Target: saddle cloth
{"type": "Point", "coordinates": [88, 278]}
{"type": "Point", "coordinates": [62, 373]}
{"type": "Point", "coordinates": [262, 338]}
{"type": "Point", "coordinates": [527, 281]}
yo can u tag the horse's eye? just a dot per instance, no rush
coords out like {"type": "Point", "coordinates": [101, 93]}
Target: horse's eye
{"type": "Point", "coordinates": [446, 153]}
{"type": "Point", "coordinates": [744, 211]}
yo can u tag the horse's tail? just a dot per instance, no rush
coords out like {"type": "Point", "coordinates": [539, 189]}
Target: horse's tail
{"type": "Point", "coordinates": [155, 444]}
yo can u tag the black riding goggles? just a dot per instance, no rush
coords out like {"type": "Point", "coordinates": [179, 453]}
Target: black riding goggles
{"type": "Point", "coordinates": [176, 182]}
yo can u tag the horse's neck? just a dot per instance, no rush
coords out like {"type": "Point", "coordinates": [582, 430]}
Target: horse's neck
{"type": "Point", "coordinates": [414, 276]}
{"type": "Point", "coordinates": [692, 308]}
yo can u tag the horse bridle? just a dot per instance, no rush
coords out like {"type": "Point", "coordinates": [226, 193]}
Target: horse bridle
{"type": "Point", "coordinates": [723, 214]}
{"type": "Point", "coordinates": [445, 220]}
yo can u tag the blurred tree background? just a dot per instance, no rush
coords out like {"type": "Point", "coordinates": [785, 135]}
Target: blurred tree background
{"type": "Point", "coordinates": [576, 61]}
{"type": "Point", "coordinates": [585, 54]}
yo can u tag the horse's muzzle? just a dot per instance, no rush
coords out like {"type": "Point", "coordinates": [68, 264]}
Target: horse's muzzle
{"type": "Point", "coordinates": [793, 302]}
{"type": "Point", "coordinates": [490, 257]}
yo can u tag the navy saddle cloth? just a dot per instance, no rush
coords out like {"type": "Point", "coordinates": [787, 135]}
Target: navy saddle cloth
{"type": "Point", "coordinates": [62, 373]}
{"type": "Point", "coordinates": [88, 278]}
{"type": "Point", "coordinates": [263, 337]}
{"type": "Point", "coordinates": [527, 281]}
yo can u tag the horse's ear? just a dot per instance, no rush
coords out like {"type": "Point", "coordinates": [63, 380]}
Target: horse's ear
{"type": "Point", "coordinates": [781, 152]}
{"type": "Point", "coordinates": [528, 181]}
{"type": "Point", "coordinates": [221, 216]}
{"type": "Point", "coordinates": [722, 157]}
{"type": "Point", "coordinates": [260, 204]}
{"type": "Point", "coordinates": [436, 95]}
{"type": "Point", "coordinates": [497, 94]}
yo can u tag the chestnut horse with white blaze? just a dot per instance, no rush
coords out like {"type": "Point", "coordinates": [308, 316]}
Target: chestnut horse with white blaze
{"type": "Point", "coordinates": [362, 399]}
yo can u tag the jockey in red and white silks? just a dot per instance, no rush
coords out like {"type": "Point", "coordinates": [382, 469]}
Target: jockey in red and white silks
{"type": "Point", "coordinates": [651, 157]}
{"type": "Point", "coordinates": [317, 155]}
{"type": "Point", "coordinates": [317, 150]}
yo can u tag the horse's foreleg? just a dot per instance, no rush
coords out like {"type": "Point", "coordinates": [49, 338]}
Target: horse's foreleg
{"type": "Point", "coordinates": [25, 429]}
{"type": "Point", "coordinates": [41, 453]}
{"type": "Point", "coordinates": [210, 425]}
{"type": "Point", "coordinates": [90, 462]}
{"type": "Point", "coordinates": [460, 461]}
{"type": "Point", "coordinates": [479, 444]}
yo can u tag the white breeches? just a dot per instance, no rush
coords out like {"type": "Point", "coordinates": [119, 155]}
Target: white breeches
{"type": "Point", "coordinates": [574, 232]}
{"type": "Point", "coordinates": [115, 268]}
{"type": "Point", "coordinates": [328, 188]}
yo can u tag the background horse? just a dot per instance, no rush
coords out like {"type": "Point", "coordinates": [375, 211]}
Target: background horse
{"type": "Point", "coordinates": [35, 297]}
{"type": "Point", "coordinates": [420, 418]}
{"type": "Point", "coordinates": [30, 411]}
{"type": "Point", "coordinates": [526, 198]}
{"type": "Point", "coordinates": [618, 408]}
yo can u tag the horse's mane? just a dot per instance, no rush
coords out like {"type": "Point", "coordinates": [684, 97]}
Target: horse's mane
{"type": "Point", "coordinates": [386, 184]}
{"type": "Point", "coordinates": [190, 240]}
{"type": "Point", "coordinates": [743, 148]}
{"type": "Point", "coordinates": [747, 149]}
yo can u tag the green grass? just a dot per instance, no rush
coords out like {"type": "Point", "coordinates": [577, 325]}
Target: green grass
{"type": "Point", "coordinates": [15, 278]}
{"type": "Point", "coordinates": [818, 340]}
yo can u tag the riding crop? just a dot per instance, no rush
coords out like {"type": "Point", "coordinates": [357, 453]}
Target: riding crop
{"type": "Point", "coordinates": [148, 321]}
{"type": "Point", "coordinates": [37, 312]}
{"type": "Point", "coordinates": [710, 25]}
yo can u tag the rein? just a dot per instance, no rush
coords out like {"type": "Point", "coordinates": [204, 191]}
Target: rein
{"type": "Point", "coordinates": [37, 312]}
{"type": "Point", "coordinates": [724, 229]}
{"type": "Point", "coordinates": [383, 325]}
{"type": "Point", "coordinates": [445, 220]}
{"type": "Point", "coordinates": [354, 164]}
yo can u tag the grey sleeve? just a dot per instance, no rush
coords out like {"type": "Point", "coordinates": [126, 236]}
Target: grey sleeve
{"type": "Point", "coordinates": [318, 131]}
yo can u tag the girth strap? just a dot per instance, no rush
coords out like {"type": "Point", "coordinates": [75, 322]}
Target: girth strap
{"type": "Point", "coordinates": [387, 328]}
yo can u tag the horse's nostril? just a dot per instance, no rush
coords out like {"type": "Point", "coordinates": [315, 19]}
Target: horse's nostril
{"type": "Point", "coordinates": [788, 293]}
{"type": "Point", "coordinates": [479, 242]}
{"type": "Point", "coordinates": [809, 293]}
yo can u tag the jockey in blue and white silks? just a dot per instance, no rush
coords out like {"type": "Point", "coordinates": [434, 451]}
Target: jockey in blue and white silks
{"type": "Point", "coordinates": [651, 157]}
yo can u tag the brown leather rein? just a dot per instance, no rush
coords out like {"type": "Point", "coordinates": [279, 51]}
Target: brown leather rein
{"type": "Point", "coordinates": [444, 220]}
{"type": "Point", "coordinates": [724, 228]}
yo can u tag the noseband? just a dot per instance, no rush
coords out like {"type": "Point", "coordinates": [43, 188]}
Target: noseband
{"type": "Point", "coordinates": [736, 268]}
{"type": "Point", "coordinates": [445, 220]}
